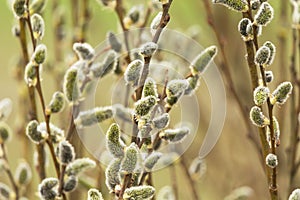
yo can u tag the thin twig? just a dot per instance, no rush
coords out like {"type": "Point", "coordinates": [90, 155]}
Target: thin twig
{"type": "Point", "coordinates": [9, 173]}
{"type": "Point", "coordinates": [192, 185]}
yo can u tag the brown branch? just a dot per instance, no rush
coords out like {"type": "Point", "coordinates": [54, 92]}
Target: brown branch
{"type": "Point", "coordinates": [225, 68]}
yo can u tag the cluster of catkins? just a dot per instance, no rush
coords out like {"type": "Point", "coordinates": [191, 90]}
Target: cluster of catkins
{"type": "Point", "coordinates": [150, 112]}
{"type": "Point", "coordinates": [264, 58]}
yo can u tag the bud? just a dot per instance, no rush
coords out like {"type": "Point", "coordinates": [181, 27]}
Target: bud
{"type": "Point", "coordinates": [56, 104]}
{"type": "Point", "coordinates": [33, 133]}
{"type": "Point", "coordinates": [84, 51]}
{"type": "Point", "coordinates": [264, 15]}
{"type": "Point", "coordinates": [5, 132]}
{"type": "Point", "coordinates": [56, 135]}
{"type": "Point", "coordinates": [133, 72]}
{"type": "Point", "coordinates": [175, 135]}
{"type": "Point", "coordinates": [151, 160]}
{"type": "Point", "coordinates": [109, 64]}
{"type": "Point", "coordinates": [112, 177]}
{"type": "Point", "coordinates": [166, 193]}
{"type": "Point", "coordinates": [79, 165]}
{"type": "Point", "coordinates": [144, 130]}
{"type": "Point", "coordinates": [130, 159]}
{"type": "Point", "coordinates": [258, 118]}
{"type": "Point", "coordinates": [37, 6]}
{"type": "Point", "coordinates": [30, 75]}
{"type": "Point", "coordinates": [91, 117]}
{"type": "Point", "coordinates": [262, 56]}
{"type": "Point", "coordinates": [148, 49]}
{"type": "Point", "coordinates": [272, 48]}
{"type": "Point", "coordinates": [47, 189]}
{"type": "Point", "coordinates": [193, 84]}
{"type": "Point", "coordinates": [71, 89]}
{"type": "Point", "coordinates": [282, 93]}
{"type": "Point", "coordinates": [261, 95]}
{"type": "Point", "coordinates": [149, 88]}
{"type": "Point", "coordinates": [5, 108]}
{"type": "Point", "coordinates": [201, 62]}
{"type": "Point", "coordinates": [197, 168]}
{"type": "Point", "coordinates": [243, 192]}
{"type": "Point", "coordinates": [164, 1]}
{"type": "Point", "coordinates": [70, 184]}
{"type": "Point", "coordinates": [133, 16]}
{"type": "Point", "coordinates": [114, 145]}
{"type": "Point", "coordinates": [143, 106]}
{"type": "Point", "coordinates": [236, 5]}
{"type": "Point", "coordinates": [139, 192]}
{"type": "Point", "coordinates": [161, 121]}
{"type": "Point", "coordinates": [271, 160]}
{"type": "Point", "coordinates": [5, 191]}
{"type": "Point", "coordinates": [175, 89]}
{"type": "Point", "coordinates": [23, 174]}
{"type": "Point", "coordinates": [269, 76]}
{"type": "Point", "coordinates": [38, 26]}
{"type": "Point", "coordinates": [255, 4]}
{"type": "Point", "coordinates": [246, 29]}
{"type": "Point", "coordinates": [295, 195]}
{"type": "Point", "coordinates": [39, 54]}
{"type": "Point", "coordinates": [155, 23]}
{"type": "Point", "coordinates": [115, 44]}
{"type": "Point", "coordinates": [123, 113]}
{"type": "Point", "coordinates": [276, 130]}
{"type": "Point", "coordinates": [109, 3]}
{"type": "Point", "coordinates": [65, 152]}
{"type": "Point", "coordinates": [94, 194]}
{"type": "Point", "coordinates": [19, 8]}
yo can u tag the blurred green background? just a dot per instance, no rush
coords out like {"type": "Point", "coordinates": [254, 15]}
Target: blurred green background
{"type": "Point", "coordinates": [234, 162]}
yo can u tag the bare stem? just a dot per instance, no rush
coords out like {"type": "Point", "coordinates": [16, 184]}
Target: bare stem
{"type": "Point", "coordinates": [9, 173]}
{"type": "Point", "coordinates": [191, 183]}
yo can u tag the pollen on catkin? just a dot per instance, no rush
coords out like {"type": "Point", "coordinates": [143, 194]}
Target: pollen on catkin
{"type": "Point", "coordinates": [112, 176]}
{"type": "Point", "coordinates": [282, 93]}
{"type": "Point", "coordinates": [236, 5]}
{"type": "Point", "coordinates": [264, 15]}
{"type": "Point", "coordinates": [94, 194]}
{"type": "Point", "coordinates": [258, 118]}
{"type": "Point", "coordinates": [261, 95]}
{"type": "Point", "coordinates": [70, 87]}
{"type": "Point", "coordinates": [56, 104]}
{"type": "Point", "coordinates": [150, 88]}
{"type": "Point", "coordinates": [130, 159]}
{"type": "Point", "coordinates": [139, 192]}
{"type": "Point", "coordinates": [39, 55]}
{"type": "Point", "coordinates": [143, 106]}
{"type": "Point", "coordinates": [38, 26]}
{"type": "Point", "coordinates": [113, 143]}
